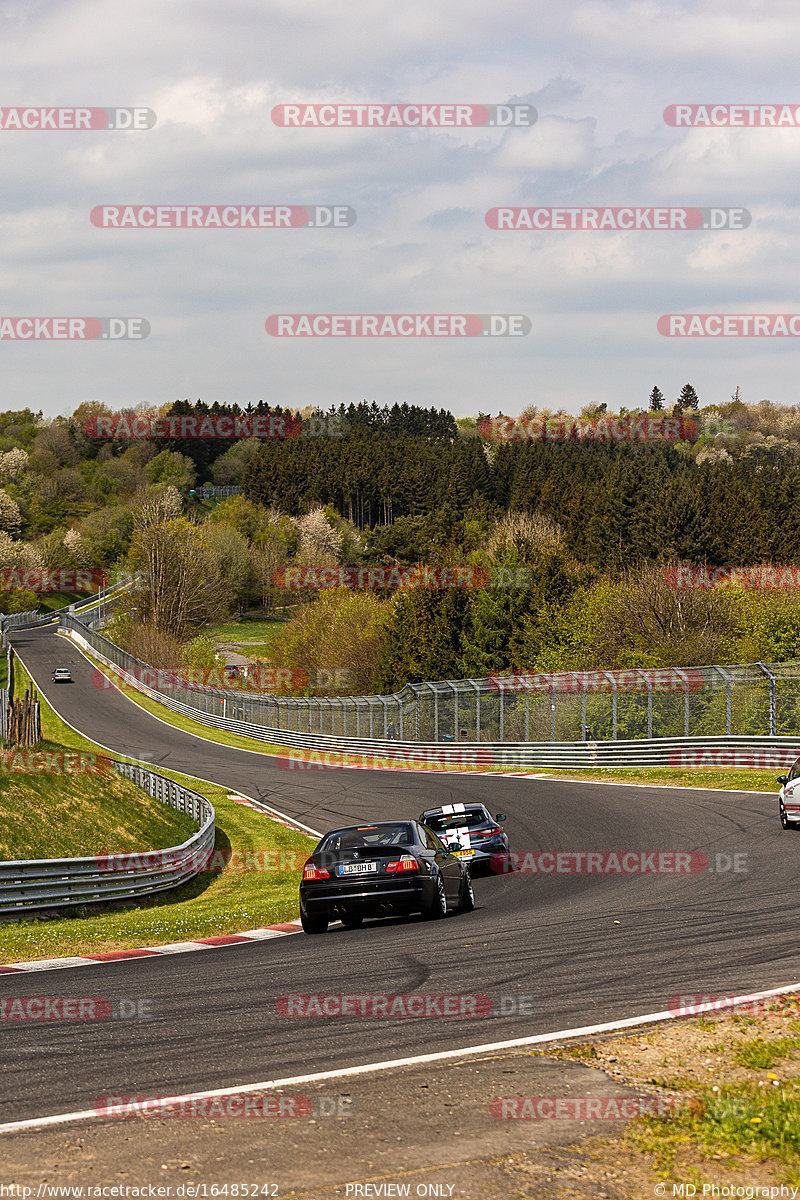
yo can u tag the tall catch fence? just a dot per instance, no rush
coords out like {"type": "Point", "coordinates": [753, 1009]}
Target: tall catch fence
{"type": "Point", "coordinates": [755, 700]}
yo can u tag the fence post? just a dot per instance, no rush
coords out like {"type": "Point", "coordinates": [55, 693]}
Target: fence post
{"type": "Point", "coordinates": [609, 675]}
{"type": "Point", "coordinates": [649, 683]}
{"type": "Point", "coordinates": [773, 706]}
{"type": "Point", "coordinates": [727, 679]}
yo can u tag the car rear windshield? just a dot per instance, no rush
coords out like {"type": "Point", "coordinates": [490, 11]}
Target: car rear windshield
{"type": "Point", "coordinates": [471, 818]}
{"type": "Point", "coordinates": [395, 833]}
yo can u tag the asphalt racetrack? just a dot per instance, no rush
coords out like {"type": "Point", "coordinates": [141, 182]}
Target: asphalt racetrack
{"type": "Point", "coordinates": [552, 951]}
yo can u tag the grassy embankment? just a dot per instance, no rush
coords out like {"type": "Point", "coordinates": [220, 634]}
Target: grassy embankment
{"type": "Point", "coordinates": [225, 902]}
{"type": "Point", "coordinates": [736, 1078]}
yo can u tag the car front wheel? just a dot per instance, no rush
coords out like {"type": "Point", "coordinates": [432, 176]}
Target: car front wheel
{"type": "Point", "coordinates": [785, 822]}
{"type": "Point", "coordinates": [467, 897]}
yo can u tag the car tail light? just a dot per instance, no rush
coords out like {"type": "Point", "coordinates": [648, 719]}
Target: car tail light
{"type": "Point", "coordinates": [492, 832]}
{"type": "Point", "coordinates": [406, 863]}
{"type": "Point", "coordinates": [310, 872]}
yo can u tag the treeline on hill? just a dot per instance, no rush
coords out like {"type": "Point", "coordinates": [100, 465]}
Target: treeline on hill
{"type": "Point", "coordinates": [594, 520]}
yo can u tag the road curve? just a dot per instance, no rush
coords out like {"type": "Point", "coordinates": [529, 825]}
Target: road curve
{"type": "Point", "coordinates": [583, 948]}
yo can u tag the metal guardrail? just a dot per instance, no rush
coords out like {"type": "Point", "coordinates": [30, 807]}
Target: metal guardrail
{"type": "Point", "coordinates": [31, 885]}
{"type": "Point", "coordinates": [24, 620]}
{"type": "Point", "coordinates": [93, 610]}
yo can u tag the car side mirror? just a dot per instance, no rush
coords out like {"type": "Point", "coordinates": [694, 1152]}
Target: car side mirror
{"type": "Point", "coordinates": [500, 817]}
{"type": "Point", "coordinates": [782, 779]}
{"type": "Point", "coordinates": [451, 847]}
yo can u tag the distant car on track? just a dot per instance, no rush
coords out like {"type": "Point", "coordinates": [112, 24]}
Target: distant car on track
{"type": "Point", "coordinates": [476, 835]}
{"type": "Point", "coordinates": [62, 675]}
{"type": "Point", "coordinates": [381, 870]}
{"type": "Point", "coordinates": [789, 797]}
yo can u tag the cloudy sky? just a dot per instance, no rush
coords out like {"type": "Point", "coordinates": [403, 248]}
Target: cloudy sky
{"type": "Point", "coordinates": [599, 73]}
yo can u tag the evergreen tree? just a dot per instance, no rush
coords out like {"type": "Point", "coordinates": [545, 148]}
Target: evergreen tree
{"type": "Point", "coordinates": [688, 398]}
{"type": "Point", "coordinates": [657, 400]}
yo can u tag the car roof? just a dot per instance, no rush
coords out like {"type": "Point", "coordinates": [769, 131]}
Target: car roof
{"type": "Point", "coordinates": [453, 810]}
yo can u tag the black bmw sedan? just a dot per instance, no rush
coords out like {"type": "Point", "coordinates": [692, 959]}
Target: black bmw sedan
{"type": "Point", "coordinates": [379, 871]}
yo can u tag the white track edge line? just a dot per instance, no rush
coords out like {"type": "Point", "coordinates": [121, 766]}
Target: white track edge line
{"type": "Point", "coordinates": [416, 1060]}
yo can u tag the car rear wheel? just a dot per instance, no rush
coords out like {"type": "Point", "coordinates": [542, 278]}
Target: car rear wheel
{"type": "Point", "coordinates": [313, 924]}
{"type": "Point", "coordinates": [352, 920]}
{"type": "Point", "coordinates": [467, 897]}
{"type": "Point", "coordinates": [438, 905]}
{"type": "Point", "coordinates": [785, 822]}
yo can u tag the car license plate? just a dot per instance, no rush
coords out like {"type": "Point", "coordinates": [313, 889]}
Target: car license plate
{"type": "Point", "coordinates": [362, 868]}
{"type": "Point", "coordinates": [463, 853]}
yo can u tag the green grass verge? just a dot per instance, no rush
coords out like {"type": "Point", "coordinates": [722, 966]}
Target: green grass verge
{"type": "Point", "coordinates": [249, 629]}
{"type": "Point", "coordinates": [732, 1104]}
{"type": "Point", "coordinates": [228, 902]}
{"type": "Point", "coordinates": [56, 803]}
{"type": "Point", "coordinates": [724, 780]}
{"type": "Point", "coordinates": [755, 1120]}
{"type": "Point", "coordinates": [50, 601]}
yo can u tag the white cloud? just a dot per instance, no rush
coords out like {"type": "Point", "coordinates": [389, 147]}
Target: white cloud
{"type": "Point", "coordinates": [599, 73]}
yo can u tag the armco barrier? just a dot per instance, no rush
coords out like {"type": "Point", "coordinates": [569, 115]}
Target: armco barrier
{"type": "Point", "coordinates": [30, 885]}
{"type": "Point", "coordinates": [89, 610]}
